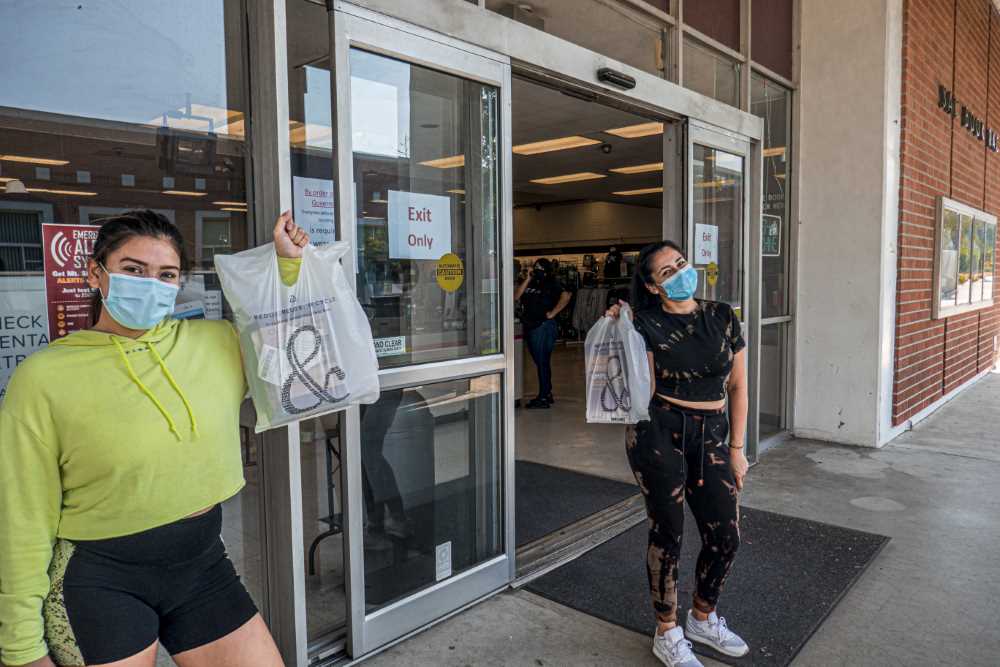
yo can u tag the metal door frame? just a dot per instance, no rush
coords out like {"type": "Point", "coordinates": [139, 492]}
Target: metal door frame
{"type": "Point", "coordinates": [703, 134]}
{"type": "Point", "coordinates": [355, 27]}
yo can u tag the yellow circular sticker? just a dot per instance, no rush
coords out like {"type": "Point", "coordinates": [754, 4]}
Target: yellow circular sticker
{"type": "Point", "coordinates": [450, 272]}
{"type": "Point", "coordinates": [712, 273]}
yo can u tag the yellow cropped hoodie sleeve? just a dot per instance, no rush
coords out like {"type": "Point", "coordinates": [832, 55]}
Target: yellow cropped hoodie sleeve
{"type": "Point", "coordinates": [30, 503]}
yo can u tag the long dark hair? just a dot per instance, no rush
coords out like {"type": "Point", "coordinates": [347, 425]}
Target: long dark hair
{"type": "Point", "coordinates": [642, 298]}
{"type": "Point", "coordinates": [118, 229]}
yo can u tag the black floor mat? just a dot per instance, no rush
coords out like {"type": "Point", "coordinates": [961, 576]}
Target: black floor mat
{"type": "Point", "coordinates": [788, 576]}
{"type": "Point", "coordinates": [549, 498]}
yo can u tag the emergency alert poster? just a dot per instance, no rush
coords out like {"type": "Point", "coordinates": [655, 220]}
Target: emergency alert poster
{"type": "Point", "coordinates": [66, 250]}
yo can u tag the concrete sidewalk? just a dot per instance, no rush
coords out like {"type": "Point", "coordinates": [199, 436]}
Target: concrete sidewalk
{"type": "Point", "coordinates": [931, 598]}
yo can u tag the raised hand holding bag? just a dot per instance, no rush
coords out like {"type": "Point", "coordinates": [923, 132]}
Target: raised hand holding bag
{"type": "Point", "coordinates": [307, 348]}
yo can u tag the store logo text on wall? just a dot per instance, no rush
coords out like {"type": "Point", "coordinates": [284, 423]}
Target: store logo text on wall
{"type": "Point", "coordinates": [948, 103]}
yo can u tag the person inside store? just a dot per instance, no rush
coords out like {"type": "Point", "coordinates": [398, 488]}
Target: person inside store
{"type": "Point", "coordinates": [690, 449]}
{"type": "Point", "coordinates": [118, 444]}
{"type": "Point", "coordinates": [542, 298]}
{"type": "Point", "coordinates": [384, 507]}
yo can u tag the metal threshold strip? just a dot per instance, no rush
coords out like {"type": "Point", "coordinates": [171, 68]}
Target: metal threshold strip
{"type": "Point", "coordinates": [570, 542]}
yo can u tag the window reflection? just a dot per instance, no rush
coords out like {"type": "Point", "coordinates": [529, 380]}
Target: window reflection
{"type": "Point", "coordinates": [425, 170]}
{"type": "Point", "coordinates": [718, 218]}
{"type": "Point", "coordinates": [949, 258]}
{"type": "Point", "coordinates": [989, 261]}
{"type": "Point", "coordinates": [965, 262]}
{"type": "Point", "coordinates": [773, 103]}
{"type": "Point", "coordinates": [710, 73]}
{"type": "Point", "coordinates": [431, 475]}
{"type": "Point", "coordinates": [323, 525]}
{"type": "Point", "coordinates": [100, 125]}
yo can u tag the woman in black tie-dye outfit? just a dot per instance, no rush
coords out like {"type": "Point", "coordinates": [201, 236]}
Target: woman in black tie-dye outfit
{"type": "Point", "coordinates": [690, 449]}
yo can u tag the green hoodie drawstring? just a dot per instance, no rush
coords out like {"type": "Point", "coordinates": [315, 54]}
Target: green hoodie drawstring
{"type": "Point", "coordinates": [173, 383]}
{"type": "Point", "coordinates": [145, 390]}
{"type": "Point", "coordinates": [149, 394]}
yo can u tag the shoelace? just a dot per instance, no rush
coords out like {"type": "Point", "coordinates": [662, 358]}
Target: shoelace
{"type": "Point", "coordinates": [725, 634]}
{"type": "Point", "coordinates": [680, 650]}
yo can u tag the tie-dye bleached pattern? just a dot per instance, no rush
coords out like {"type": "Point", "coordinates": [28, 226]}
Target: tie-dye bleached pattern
{"type": "Point", "coordinates": [668, 460]}
{"type": "Point", "coordinates": [692, 354]}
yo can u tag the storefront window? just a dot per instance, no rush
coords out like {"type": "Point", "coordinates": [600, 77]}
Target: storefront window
{"type": "Point", "coordinates": [110, 106]}
{"type": "Point", "coordinates": [426, 174]}
{"type": "Point", "coordinates": [965, 262]}
{"type": "Point", "coordinates": [710, 73]}
{"type": "Point", "coordinates": [772, 102]}
{"type": "Point", "coordinates": [623, 32]}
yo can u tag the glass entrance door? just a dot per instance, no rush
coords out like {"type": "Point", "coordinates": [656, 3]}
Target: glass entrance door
{"type": "Point", "coordinates": [418, 179]}
{"type": "Point", "coordinates": [718, 211]}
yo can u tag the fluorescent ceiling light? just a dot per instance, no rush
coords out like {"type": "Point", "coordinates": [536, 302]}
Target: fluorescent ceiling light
{"type": "Point", "coordinates": [774, 152]}
{"type": "Point", "coordinates": [183, 193]}
{"type": "Point", "coordinates": [636, 131]}
{"type": "Point", "coordinates": [641, 191]}
{"type": "Point", "coordinates": [549, 145]}
{"type": "Point", "coordinates": [446, 162]}
{"type": "Point", "coordinates": [34, 160]}
{"type": "Point", "coordinates": [230, 208]}
{"type": "Point", "coordinates": [639, 168]}
{"type": "Point", "coordinates": [217, 114]}
{"type": "Point", "coordinates": [457, 192]}
{"type": "Point", "coordinates": [309, 134]}
{"type": "Point", "coordinates": [230, 203]}
{"type": "Point", "coordinates": [568, 178]}
{"type": "Point", "coordinates": [79, 193]}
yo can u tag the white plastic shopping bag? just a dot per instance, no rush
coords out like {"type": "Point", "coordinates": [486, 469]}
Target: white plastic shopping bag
{"type": "Point", "coordinates": [307, 348]}
{"type": "Point", "coordinates": [618, 382]}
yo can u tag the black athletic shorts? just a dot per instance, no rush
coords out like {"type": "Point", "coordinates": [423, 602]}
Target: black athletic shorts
{"type": "Point", "coordinates": [110, 599]}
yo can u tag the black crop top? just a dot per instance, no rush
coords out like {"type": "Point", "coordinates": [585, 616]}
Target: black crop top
{"type": "Point", "coordinates": [692, 353]}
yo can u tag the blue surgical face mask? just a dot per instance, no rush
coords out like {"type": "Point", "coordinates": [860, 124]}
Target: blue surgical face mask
{"type": "Point", "coordinates": [682, 285]}
{"type": "Point", "coordinates": [138, 303]}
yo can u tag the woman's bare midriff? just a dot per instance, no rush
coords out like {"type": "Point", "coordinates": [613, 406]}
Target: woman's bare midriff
{"type": "Point", "coordinates": [199, 512]}
{"type": "Point", "coordinates": [694, 405]}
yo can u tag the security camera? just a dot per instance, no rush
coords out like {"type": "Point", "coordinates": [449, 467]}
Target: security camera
{"type": "Point", "coordinates": [605, 148]}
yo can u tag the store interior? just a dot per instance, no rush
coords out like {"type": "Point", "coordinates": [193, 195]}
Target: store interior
{"type": "Point", "coordinates": [588, 194]}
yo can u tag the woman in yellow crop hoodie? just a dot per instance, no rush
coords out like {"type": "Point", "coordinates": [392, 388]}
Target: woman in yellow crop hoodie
{"type": "Point", "coordinates": [117, 446]}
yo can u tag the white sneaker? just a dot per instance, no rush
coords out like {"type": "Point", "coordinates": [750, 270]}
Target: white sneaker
{"type": "Point", "coordinates": [716, 634]}
{"type": "Point", "coordinates": [673, 650]}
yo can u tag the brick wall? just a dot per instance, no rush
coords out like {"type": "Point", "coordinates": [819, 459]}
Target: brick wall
{"type": "Point", "coordinates": [955, 43]}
